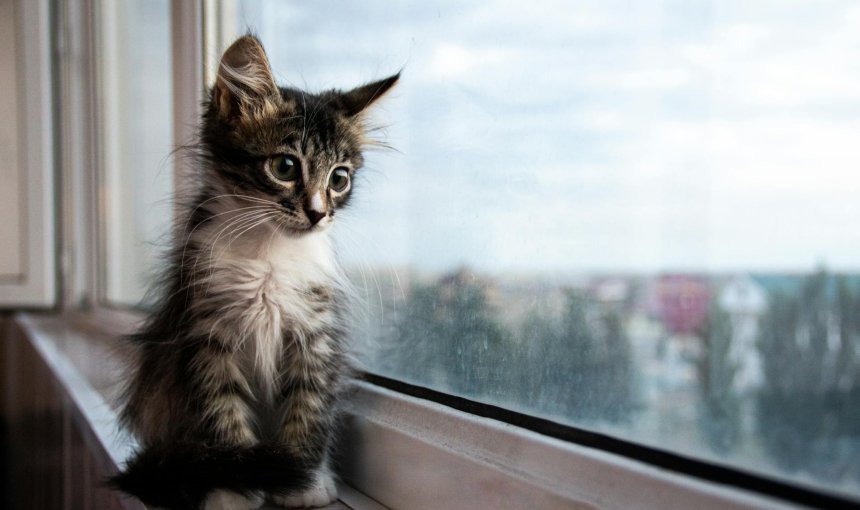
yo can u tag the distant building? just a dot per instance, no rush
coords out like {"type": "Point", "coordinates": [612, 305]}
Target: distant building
{"type": "Point", "coordinates": [744, 301]}
{"type": "Point", "coordinates": [743, 296]}
{"type": "Point", "coordinates": [611, 290]}
{"type": "Point", "coordinates": [682, 303]}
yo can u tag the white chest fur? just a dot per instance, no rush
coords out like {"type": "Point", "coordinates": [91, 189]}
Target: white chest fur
{"type": "Point", "coordinates": [257, 288]}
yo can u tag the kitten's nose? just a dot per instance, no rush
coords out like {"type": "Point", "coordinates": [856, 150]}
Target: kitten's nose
{"type": "Point", "coordinates": [315, 208]}
{"type": "Point", "coordinates": [314, 216]}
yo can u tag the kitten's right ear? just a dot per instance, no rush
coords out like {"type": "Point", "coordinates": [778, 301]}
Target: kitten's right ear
{"type": "Point", "coordinates": [244, 77]}
{"type": "Point", "coordinates": [359, 99]}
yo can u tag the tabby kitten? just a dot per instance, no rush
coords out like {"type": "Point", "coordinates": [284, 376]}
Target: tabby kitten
{"type": "Point", "coordinates": [233, 396]}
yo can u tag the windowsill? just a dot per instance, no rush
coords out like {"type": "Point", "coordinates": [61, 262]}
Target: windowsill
{"type": "Point", "coordinates": [403, 451]}
{"type": "Point", "coordinates": [87, 362]}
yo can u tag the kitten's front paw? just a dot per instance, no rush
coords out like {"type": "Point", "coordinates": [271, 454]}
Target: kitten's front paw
{"type": "Point", "coordinates": [226, 500]}
{"type": "Point", "coordinates": [321, 493]}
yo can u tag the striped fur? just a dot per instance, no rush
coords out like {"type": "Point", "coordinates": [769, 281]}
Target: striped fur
{"type": "Point", "coordinates": [243, 359]}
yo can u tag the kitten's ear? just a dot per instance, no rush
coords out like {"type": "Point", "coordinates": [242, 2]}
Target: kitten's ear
{"type": "Point", "coordinates": [244, 76]}
{"type": "Point", "coordinates": [358, 99]}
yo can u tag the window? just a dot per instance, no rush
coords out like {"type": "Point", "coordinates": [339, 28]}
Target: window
{"type": "Point", "coordinates": [641, 225]}
{"type": "Point", "coordinates": [137, 134]}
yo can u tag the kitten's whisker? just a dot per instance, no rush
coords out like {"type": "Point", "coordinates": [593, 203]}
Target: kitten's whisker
{"type": "Point", "coordinates": [249, 219]}
{"type": "Point", "coordinates": [227, 195]}
{"type": "Point", "coordinates": [236, 234]}
{"type": "Point", "coordinates": [237, 231]}
{"type": "Point", "coordinates": [190, 234]}
{"type": "Point", "coordinates": [361, 309]}
{"type": "Point", "coordinates": [232, 236]}
{"type": "Point", "coordinates": [363, 277]}
{"type": "Point", "coordinates": [254, 199]}
{"type": "Point", "coordinates": [230, 223]}
{"type": "Point", "coordinates": [267, 203]}
{"type": "Point", "coordinates": [279, 223]}
{"type": "Point", "coordinates": [364, 263]}
{"type": "Point", "coordinates": [193, 279]}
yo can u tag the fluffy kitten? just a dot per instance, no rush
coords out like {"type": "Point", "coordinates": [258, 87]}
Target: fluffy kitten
{"type": "Point", "coordinates": [234, 392]}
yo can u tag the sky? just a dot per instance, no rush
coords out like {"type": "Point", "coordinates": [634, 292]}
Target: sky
{"type": "Point", "coordinates": [593, 135]}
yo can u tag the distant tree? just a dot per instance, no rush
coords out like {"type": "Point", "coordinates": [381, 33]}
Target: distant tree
{"type": "Point", "coordinates": [783, 422]}
{"type": "Point", "coordinates": [809, 407]}
{"type": "Point", "coordinates": [847, 370]}
{"type": "Point", "coordinates": [446, 336]}
{"type": "Point", "coordinates": [540, 349]}
{"type": "Point", "coordinates": [816, 312]}
{"type": "Point", "coordinates": [481, 345]}
{"type": "Point", "coordinates": [577, 365]}
{"type": "Point", "coordinates": [416, 349]}
{"type": "Point", "coordinates": [778, 343]}
{"type": "Point", "coordinates": [576, 360]}
{"type": "Point", "coordinates": [582, 369]}
{"type": "Point", "coordinates": [617, 376]}
{"type": "Point", "coordinates": [719, 401]}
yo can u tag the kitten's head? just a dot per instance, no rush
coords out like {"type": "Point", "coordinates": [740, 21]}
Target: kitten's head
{"type": "Point", "coordinates": [292, 148]}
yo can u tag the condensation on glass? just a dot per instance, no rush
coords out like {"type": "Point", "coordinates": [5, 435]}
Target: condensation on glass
{"type": "Point", "coordinates": [137, 133]}
{"type": "Point", "coordinates": [644, 225]}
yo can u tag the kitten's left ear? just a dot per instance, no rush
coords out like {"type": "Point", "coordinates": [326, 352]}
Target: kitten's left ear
{"type": "Point", "coordinates": [244, 76]}
{"type": "Point", "coordinates": [359, 99]}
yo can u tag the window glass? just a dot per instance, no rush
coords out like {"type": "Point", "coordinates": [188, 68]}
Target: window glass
{"type": "Point", "coordinates": [137, 136]}
{"type": "Point", "coordinates": [637, 218]}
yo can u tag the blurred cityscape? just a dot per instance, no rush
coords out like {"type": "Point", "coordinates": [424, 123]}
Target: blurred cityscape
{"type": "Point", "coordinates": [756, 369]}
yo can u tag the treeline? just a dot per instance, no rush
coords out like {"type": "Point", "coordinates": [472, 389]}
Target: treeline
{"type": "Point", "coordinates": [808, 411]}
{"type": "Point", "coordinates": [578, 365]}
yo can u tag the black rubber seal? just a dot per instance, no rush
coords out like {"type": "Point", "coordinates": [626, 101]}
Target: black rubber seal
{"type": "Point", "coordinates": [649, 455]}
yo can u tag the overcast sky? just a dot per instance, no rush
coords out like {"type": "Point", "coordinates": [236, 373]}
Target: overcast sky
{"type": "Point", "coordinates": [599, 135]}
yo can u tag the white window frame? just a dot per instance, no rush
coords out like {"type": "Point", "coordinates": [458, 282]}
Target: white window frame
{"type": "Point", "coordinates": [36, 284]}
{"type": "Point", "coordinates": [400, 451]}
{"type": "Point", "coordinates": [407, 452]}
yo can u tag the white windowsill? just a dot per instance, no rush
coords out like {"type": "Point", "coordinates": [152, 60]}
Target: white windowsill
{"type": "Point", "coordinates": [86, 364]}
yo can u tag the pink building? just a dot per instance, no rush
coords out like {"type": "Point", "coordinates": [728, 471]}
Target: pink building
{"type": "Point", "coordinates": [682, 303]}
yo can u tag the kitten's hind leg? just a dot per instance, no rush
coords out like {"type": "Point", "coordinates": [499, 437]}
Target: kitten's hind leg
{"type": "Point", "coordinates": [321, 492]}
{"type": "Point", "coordinates": [226, 500]}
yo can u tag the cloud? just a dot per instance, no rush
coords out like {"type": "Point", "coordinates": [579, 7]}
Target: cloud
{"type": "Point", "coordinates": [562, 135]}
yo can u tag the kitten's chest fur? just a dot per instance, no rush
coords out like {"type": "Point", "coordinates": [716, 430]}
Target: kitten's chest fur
{"type": "Point", "coordinates": [272, 304]}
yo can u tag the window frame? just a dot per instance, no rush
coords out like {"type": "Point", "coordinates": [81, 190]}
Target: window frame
{"type": "Point", "coordinates": [34, 284]}
{"type": "Point", "coordinates": [452, 447]}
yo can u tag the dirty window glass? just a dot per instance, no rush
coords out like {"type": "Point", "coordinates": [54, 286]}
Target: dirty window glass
{"type": "Point", "coordinates": [641, 224]}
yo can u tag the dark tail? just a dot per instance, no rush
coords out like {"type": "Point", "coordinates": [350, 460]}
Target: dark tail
{"type": "Point", "coordinates": [180, 476]}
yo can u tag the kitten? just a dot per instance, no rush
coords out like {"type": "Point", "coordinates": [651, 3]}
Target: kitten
{"type": "Point", "coordinates": [235, 389]}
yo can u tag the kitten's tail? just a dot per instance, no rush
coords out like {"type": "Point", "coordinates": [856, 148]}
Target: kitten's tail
{"type": "Point", "coordinates": [180, 476]}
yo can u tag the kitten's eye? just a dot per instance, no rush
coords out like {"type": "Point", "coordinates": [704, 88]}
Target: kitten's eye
{"type": "Point", "coordinates": [339, 179]}
{"type": "Point", "coordinates": [286, 168]}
